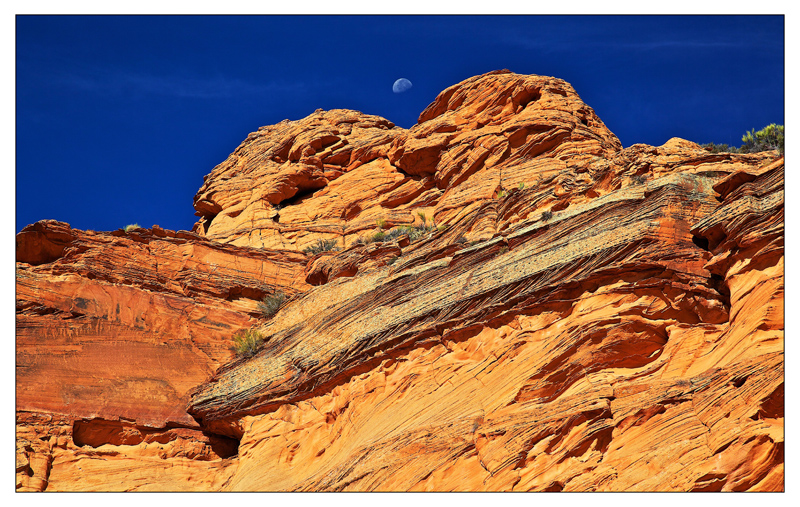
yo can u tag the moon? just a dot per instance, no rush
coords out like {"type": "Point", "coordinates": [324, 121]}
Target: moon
{"type": "Point", "coordinates": [401, 85]}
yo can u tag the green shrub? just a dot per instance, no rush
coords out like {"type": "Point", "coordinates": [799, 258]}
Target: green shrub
{"type": "Point", "coordinates": [422, 216]}
{"type": "Point", "coordinates": [270, 304]}
{"type": "Point", "coordinates": [323, 245]}
{"type": "Point", "coordinates": [503, 250]}
{"type": "Point", "coordinates": [378, 236]}
{"type": "Point", "coordinates": [246, 342]}
{"type": "Point", "coordinates": [770, 137]}
{"type": "Point", "coordinates": [501, 194]}
{"type": "Point", "coordinates": [522, 186]}
{"type": "Point", "coordinates": [131, 227]}
{"type": "Point", "coordinates": [381, 224]}
{"type": "Point", "coordinates": [394, 233]}
{"type": "Point", "coordinates": [417, 232]}
{"type": "Point", "coordinates": [720, 148]}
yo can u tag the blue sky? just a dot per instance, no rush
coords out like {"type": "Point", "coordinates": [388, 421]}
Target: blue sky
{"type": "Point", "coordinates": [119, 118]}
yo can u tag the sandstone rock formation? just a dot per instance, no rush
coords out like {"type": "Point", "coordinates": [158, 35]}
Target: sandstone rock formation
{"type": "Point", "coordinates": [558, 313]}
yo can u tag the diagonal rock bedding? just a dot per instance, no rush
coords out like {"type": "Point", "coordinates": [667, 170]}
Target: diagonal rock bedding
{"type": "Point", "coordinates": [500, 298]}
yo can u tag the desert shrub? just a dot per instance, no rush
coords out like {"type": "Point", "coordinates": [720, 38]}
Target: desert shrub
{"type": "Point", "coordinates": [246, 342]}
{"type": "Point", "coordinates": [522, 185]}
{"type": "Point", "coordinates": [323, 245]}
{"type": "Point", "coordinates": [414, 233]}
{"type": "Point", "coordinates": [720, 148]}
{"type": "Point", "coordinates": [461, 240]}
{"type": "Point", "coordinates": [770, 137]}
{"type": "Point", "coordinates": [417, 232]}
{"type": "Point", "coordinates": [392, 260]}
{"type": "Point", "coordinates": [131, 227]}
{"type": "Point", "coordinates": [547, 215]}
{"type": "Point", "coordinates": [381, 224]}
{"type": "Point", "coordinates": [271, 303]}
{"type": "Point", "coordinates": [422, 216]}
{"type": "Point", "coordinates": [501, 194]}
{"type": "Point", "coordinates": [394, 234]}
{"type": "Point", "coordinates": [639, 179]}
{"type": "Point", "coordinates": [503, 250]}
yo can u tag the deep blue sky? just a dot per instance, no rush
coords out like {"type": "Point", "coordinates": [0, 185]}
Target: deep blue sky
{"type": "Point", "coordinates": [119, 118]}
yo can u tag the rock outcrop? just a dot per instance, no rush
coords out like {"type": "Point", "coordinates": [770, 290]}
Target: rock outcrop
{"type": "Point", "coordinates": [499, 298]}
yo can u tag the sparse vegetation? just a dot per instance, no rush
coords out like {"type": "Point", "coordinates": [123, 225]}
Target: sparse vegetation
{"type": "Point", "coordinates": [381, 224]}
{"type": "Point", "coordinates": [501, 194]}
{"type": "Point", "coordinates": [720, 148]}
{"type": "Point", "coordinates": [394, 234]}
{"type": "Point", "coordinates": [422, 216]}
{"type": "Point", "coordinates": [130, 227]}
{"type": "Point", "coordinates": [246, 342]}
{"type": "Point", "coordinates": [503, 250]}
{"type": "Point", "coordinates": [639, 179]}
{"type": "Point", "coordinates": [414, 233]}
{"type": "Point", "coordinates": [270, 304]}
{"type": "Point", "coordinates": [522, 185]}
{"type": "Point", "coordinates": [392, 260]}
{"type": "Point", "coordinates": [770, 137]}
{"type": "Point", "coordinates": [323, 245]}
{"type": "Point", "coordinates": [461, 240]}
{"type": "Point", "coordinates": [547, 215]}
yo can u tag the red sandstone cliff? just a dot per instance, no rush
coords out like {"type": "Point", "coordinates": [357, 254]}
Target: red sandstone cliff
{"type": "Point", "coordinates": [583, 317]}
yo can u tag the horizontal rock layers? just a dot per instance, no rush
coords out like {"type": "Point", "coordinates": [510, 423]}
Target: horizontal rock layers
{"type": "Point", "coordinates": [558, 313]}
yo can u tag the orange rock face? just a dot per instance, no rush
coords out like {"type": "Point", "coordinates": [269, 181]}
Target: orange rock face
{"type": "Point", "coordinates": [500, 298]}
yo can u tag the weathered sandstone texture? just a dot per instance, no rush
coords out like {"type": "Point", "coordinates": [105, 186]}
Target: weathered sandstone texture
{"type": "Point", "coordinates": [574, 316]}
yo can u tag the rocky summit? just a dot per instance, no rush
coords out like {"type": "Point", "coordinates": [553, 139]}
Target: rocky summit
{"type": "Point", "coordinates": [500, 298]}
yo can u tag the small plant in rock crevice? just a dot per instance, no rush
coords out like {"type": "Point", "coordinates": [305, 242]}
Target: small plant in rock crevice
{"type": "Point", "coordinates": [246, 342]}
{"type": "Point", "coordinates": [270, 305]}
{"type": "Point", "coordinates": [130, 227]}
{"type": "Point", "coordinates": [547, 215]}
{"type": "Point", "coordinates": [323, 245]}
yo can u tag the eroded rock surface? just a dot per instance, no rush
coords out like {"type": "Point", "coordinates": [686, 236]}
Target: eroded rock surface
{"type": "Point", "coordinates": [558, 314]}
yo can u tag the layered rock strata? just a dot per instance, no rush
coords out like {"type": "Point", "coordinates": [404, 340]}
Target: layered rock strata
{"type": "Point", "coordinates": [558, 314]}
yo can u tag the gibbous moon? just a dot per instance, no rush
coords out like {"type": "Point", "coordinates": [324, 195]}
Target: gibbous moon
{"type": "Point", "coordinates": [401, 85]}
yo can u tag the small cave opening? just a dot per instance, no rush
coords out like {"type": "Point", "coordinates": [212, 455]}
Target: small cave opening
{"type": "Point", "coordinates": [302, 193]}
{"type": "Point", "coordinates": [207, 219]}
{"type": "Point", "coordinates": [224, 447]}
{"type": "Point", "coordinates": [528, 97]}
{"type": "Point", "coordinates": [97, 432]}
{"type": "Point", "coordinates": [701, 242]}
